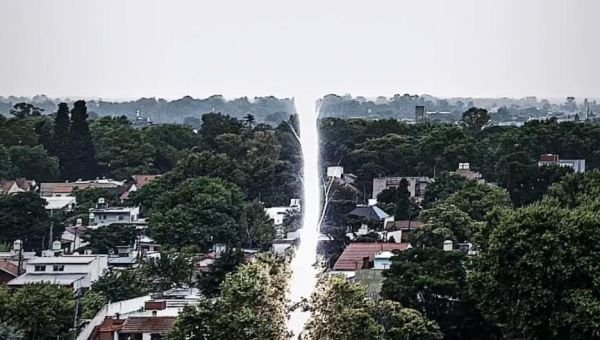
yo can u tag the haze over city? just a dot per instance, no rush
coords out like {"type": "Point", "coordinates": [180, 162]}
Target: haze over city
{"type": "Point", "coordinates": [126, 50]}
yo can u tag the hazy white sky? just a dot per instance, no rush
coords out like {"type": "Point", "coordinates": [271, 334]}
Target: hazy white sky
{"type": "Point", "coordinates": [126, 49]}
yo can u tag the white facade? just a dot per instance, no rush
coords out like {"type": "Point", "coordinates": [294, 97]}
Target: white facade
{"type": "Point", "coordinates": [107, 216]}
{"type": "Point", "coordinates": [383, 260]}
{"type": "Point", "coordinates": [77, 271]}
{"type": "Point", "coordinates": [335, 171]}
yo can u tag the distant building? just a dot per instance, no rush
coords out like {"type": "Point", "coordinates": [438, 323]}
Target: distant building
{"type": "Point", "coordinates": [359, 256]}
{"type": "Point", "coordinates": [578, 165]}
{"type": "Point", "coordinates": [464, 170]}
{"type": "Point", "coordinates": [141, 121]}
{"type": "Point", "coordinates": [104, 215]}
{"type": "Point", "coordinates": [135, 183]}
{"type": "Point", "coordinates": [16, 186]}
{"type": "Point", "coordinates": [404, 228]}
{"type": "Point", "coordinates": [62, 189]}
{"type": "Point", "coordinates": [419, 114]}
{"type": "Point", "coordinates": [75, 271]}
{"type": "Point", "coordinates": [416, 185]}
{"type": "Point", "coordinates": [8, 271]}
{"type": "Point", "coordinates": [337, 173]}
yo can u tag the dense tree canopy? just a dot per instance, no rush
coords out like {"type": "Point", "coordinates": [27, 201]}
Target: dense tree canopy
{"type": "Point", "coordinates": [539, 276]}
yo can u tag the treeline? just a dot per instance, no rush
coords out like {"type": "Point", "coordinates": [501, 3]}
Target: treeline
{"type": "Point", "coordinates": [507, 156]}
{"type": "Point", "coordinates": [184, 110]}
{"type": "Point", "coordinates": [449, 110]}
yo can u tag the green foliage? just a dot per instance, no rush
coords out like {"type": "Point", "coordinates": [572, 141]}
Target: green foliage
{"type": "Point", "coordinates": [106, 239]}
{"type": "Point", "coordinates": [228, 262]}
{"type": "Point", "coordinates": [443, 222]}
{"type": "Point", "coordinates": [576, 188]}
{"type": "Point", "coordinates": [398, 203]}
{"type": "Point", "coordinates": [341, 310]}
{"type": "Point", "coordinates": [538, 278]}
{"type": "Point", "coordinates": [33, 163]}
{"type": "Point", "coordinates": [259, 230]}
{"type": "Point", "coordinates": [121, 285]}
{"type": "Point", "coordinates": [42, 311]}
{"type": "Point", "coordinates": [81, 162]}
{"type": "Point", "coordinates": [23, 110]}
{"type": "Point", "coordinates": [198, 212]}
{"type": "Point", "coordinates": [477, 199]}
{"type": "Point", "coordinates": [251, 305]}
{"type": "Point", "coordinates": [22, 216]}
{"type": "Point", "coordinates": [445, 185]}
{"type": "Point", "coordinates": [91, 303]}
{"type": "Point", "coordinates": [172, 269]}
{"type": "Point", "coordinates": [475, 119]}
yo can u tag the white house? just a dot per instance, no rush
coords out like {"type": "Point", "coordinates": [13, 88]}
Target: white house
{"type": "Point", "coordinates": [416, 185]}
{"type": "Point", "coordinates": [104, 215]}
{"type": "Point", "coordinates": [75, 271]}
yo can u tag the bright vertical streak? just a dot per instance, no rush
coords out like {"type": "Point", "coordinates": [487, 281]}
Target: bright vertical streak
{"type": "Point", "coordinates": [304, 269]}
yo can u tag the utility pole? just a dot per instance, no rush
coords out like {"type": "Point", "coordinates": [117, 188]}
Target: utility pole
{"type": "Point", "coordinates": [76, 316]}
{"type": "Point", "coordinates": [51, 229]}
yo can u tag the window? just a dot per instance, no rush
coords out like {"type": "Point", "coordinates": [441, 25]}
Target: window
{"type": "Point", "coordinates": [121, 217]}
{"type": "Point", "coordinates": [59, 268]}
{"type": "Point", "coordinates": [40, 268]}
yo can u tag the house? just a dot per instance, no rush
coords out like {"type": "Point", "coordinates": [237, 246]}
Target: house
{"type": "Point", "coordinates": [104, 215]}
{"type": "Point", "coordinates": [147, 317]}
{"type": "Point", "coordinates": [464, 170]}
{"type": "Point", "coordinates": [135, 183]}
{"type": "Point", "coordinates": [62, 203]}
{"type": "Point", "coordinates": [16, 186]}
{"type": "Point", "coordinates": [358, 256]}
{"type": "Point", "coordinates": [16, 254]}
{"type": "Point", "coordinates": [71, 238]}
{"type": "Point", "coordinates": [416, 185]}
{"type": "Point", "coordinates": [404, 227]}
{"type": "Point", "coordinates": [75, 271]}
{"type": "Point", "coordinates": [278, 216]}
{"type": "Point", "coordinates": [67, 188]}
{"type": "Point", "coordinates": [578, 165]}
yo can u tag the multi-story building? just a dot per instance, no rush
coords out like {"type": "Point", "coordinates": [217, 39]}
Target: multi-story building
{"type": "Point", "coordinates": [75, 271]}
{"type": "Point", "coordinates": [104, 215]}
{"type": "Point", "coordinates": [578, 165]}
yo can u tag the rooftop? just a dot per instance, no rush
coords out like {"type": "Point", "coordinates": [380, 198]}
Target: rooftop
{"type": "Point", "coordinates": [59, 279]}
{"type": "Point", "coordinates": [71, 259]}
{"type": "Point", "coordinates": [369, 212]}
{"type": "Point", "coordinates": [9, 268]}
{"type": "Point", "coordinates": [353, 255]}
{"type": "Point", "coordinates": [149, 324]}
{"type": "Point", "coordinates": [404, 225]}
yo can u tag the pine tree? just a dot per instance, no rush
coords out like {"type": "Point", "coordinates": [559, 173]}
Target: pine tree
{"type": "Point", "coordinates": [60, 140]}
{"type": "Point", "coordinates": [80, 151]}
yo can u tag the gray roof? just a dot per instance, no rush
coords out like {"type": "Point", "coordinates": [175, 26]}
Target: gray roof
{"type": "Point", "coordinates": [75, 259]}
{"type": "Point", "coordinates": [121, 260]}
{"type": "Point", "coordinates": [59, 279]}
{"type": "Point", "coordinates": [372, 213]}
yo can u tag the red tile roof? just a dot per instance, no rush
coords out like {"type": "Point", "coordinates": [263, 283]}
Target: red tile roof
{"type": "Point", "coordinates": [150, 324]}
{"type": "Point", "coordinates": [141, 180]}
{"type": "Point", "coordinates": [352, 257]}
{"type": "Point", "coordinates": [9, 268]}
{"type": "Point", "coordinates": [403, 225]}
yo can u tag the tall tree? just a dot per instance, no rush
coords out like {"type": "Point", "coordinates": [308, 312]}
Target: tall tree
{"type": "Point", "coordinates": [251, 306]}
{"type": "Point", "coordinates": [23, 110]}
{"type": "Point", "coordinates": [538, 278]}
{"type": "Point", "coordinates": [22, 216]}
{"type": "Point", "coordinates": [342, 310]}
{"type": "Point", "coordinates": [43, 311]}
{"type": "Point", "coordinates": [60, 138]}
{"type": "Point", "coordinates": [433, 282]}
{"type": "Point", "coordinates": [82, 156]}
{"type": "Point", "coordinates": [199, 212]}
{"type": "Point", "coordinates": [476, 119]}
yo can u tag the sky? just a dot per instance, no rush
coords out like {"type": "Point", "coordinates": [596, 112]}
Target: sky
{"type": "Point", "coordinates": [117, 49]}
